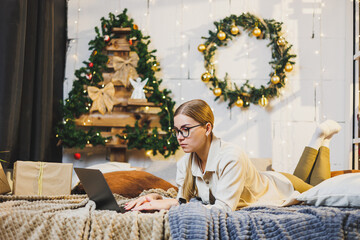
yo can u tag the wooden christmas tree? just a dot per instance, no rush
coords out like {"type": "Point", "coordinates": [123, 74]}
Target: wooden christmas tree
{"type": "Point", "coordinates": [104, 109]}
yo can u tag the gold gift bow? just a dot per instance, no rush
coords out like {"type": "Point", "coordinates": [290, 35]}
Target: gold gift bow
{"type": "Point", "coordinates": [125, 68]}
{"type": "Point", "coordinates": [102, 98]}
{"type": "Point", "coordinates": [41, 174]}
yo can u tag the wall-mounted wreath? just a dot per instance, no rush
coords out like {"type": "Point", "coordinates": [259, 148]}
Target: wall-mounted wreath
{"type": "Point", "coordinates": [262, 29]}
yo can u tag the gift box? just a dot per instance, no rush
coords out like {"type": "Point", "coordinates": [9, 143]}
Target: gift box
{"type": "Point", "coordinates": [42, 178]}
{"type": "Point", "coordinates": [4, 185]}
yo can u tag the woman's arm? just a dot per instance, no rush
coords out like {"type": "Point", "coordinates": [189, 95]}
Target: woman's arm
{"type": "Point", "coordinates": [153, 204]}
{"type": "Point", "coordinates": [231, 180]}
{"type": "Point", "coordinates": [141, 200]}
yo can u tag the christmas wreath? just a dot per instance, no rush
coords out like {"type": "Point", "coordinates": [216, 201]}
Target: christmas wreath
{"type": "Point", "coordinates": [262, 29]}
{"type": "Point", "coordinates": [78, 102]}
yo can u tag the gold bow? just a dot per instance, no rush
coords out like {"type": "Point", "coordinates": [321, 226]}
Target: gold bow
{"type": "Point", "coordinates": [102, 98]}
{"type": "Point", "coordinates": [125, 68]}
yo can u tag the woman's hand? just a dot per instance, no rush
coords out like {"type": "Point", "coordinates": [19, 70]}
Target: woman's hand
{"type": "Point", "coordinates": [153, 204]}
{"type": "Point", "coordinates": [141, 200]}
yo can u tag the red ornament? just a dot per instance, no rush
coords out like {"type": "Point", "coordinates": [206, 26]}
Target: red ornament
{"type": "Point", "coordinates": [77, 156]}
{"type": "Point", "coordinates": [130, 41]}
{"type": "Point", "coordinates": [89, 76]}
{"type": "Point", "coordinates": [107, 38]}
{"type": "Point", "coordinates": [91, 64]}
{"type": "Point", "coordinates": [164, 147]}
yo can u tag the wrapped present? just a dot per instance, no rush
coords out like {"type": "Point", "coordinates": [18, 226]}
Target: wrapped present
{"type": "Point", "coordinates": [4, 185]}
{"type": "Point", "coordinates": [42, 178]}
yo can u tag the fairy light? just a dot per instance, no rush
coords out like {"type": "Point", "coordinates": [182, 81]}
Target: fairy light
{"type": "Point", "coordinates": [211, 15]}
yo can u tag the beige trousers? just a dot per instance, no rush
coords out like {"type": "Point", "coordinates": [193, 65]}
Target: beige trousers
{"type": "Point", "coordinates": [312, 169]}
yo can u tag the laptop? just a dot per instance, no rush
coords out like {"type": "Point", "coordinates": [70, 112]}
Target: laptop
{"type": "Point", "coordinates": [98, 190]}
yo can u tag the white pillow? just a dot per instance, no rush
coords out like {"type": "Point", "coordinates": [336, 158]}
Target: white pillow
{"type": "Point", "coordinates": [339, 191]}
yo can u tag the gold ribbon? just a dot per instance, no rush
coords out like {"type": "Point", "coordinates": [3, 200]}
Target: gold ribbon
{"type": "Point", "coordinates": [125, 68]}
{"type": "Point", "coordinates": [102, 98]}
{"type": "Point", "coordinates": [40, 178]}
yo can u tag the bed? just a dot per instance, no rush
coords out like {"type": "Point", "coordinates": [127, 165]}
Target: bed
{"type": "Point", "coordinates": [330, 211]}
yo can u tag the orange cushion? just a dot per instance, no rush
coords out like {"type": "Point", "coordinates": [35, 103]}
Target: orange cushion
{"type": "Point", "coordinates": [336, 173]}
{"type": "Point", "coordinates": [130, 183]}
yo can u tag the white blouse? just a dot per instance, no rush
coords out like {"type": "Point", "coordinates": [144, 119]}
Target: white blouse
{"type": "Point", "coordinates": [232, 180]}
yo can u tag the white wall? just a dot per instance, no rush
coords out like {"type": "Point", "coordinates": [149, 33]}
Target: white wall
{"type": "Point", "coordinates": [319, 87]}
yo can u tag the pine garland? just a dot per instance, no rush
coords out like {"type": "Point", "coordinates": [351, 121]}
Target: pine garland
{"type": "Point", "coordinates": [78, 101]}
{"type": "Point", "coordinates": [262, 29]}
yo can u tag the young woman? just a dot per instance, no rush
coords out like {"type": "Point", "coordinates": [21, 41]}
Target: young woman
{"type": "Point", "coordinates": [222, 176]}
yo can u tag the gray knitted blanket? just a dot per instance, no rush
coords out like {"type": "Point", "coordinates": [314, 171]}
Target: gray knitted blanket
{"type": "Point", "coordinates": [193, 221]}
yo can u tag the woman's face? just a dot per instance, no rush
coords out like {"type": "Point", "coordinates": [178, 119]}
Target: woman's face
{"type": "Point", "coordinates": [197, 135]}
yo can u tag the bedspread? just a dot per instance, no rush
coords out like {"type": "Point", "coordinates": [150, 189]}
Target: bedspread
{"type": "Point", "coordinates": [193, 221]}
{"type": "Point", "coordinates": [75, 217]}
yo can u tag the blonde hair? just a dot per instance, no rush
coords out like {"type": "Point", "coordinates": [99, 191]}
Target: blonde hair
{"type": "Point", "coordinates": [201, 112]}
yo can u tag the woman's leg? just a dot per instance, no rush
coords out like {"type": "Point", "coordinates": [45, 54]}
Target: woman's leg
{"type": "Point", "coordinates": [321, 170]}
{"type": "Point", "coordinates": [306, 164]}
{"type": "Point", "coordinates": [314, 165]}
{"type": "Point", "coordinates": [298, 184]}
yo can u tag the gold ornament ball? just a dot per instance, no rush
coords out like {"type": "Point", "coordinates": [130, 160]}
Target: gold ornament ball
{"type": "Point", "coordinates": [239, 102]}
{"type": "Point", "coordinates": [155, 66]}
{"type": "Point", "coordinates": [217, 91]}
{"type": "Point", "coordinates": [135, 27]}
{"type": "Point", "coordinates": [221, 35]}
{"type": "Point", "coordinates": [256, 32]}
{"type": "Point", "coordinates": [205, 77]}
{"type": "Point", "coordinates": [201, 47]}
{"type": "Point", "coordinates": [234, 30]}
{"type": "Point", "coordinates": [288, 67]}
{"type": "Point", "coordinates": [263, 101]}
{"type": "Point", "coordinates": [275, 79]}
{"type": "Point", "coordinates": [281, 41]}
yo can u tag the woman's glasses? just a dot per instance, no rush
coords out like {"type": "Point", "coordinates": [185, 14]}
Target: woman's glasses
{"type": "Point", "coordinates": [184, 131]}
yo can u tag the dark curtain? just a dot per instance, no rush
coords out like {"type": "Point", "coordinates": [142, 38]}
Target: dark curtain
{"type": "Point", "coordinates": [32, 63]}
